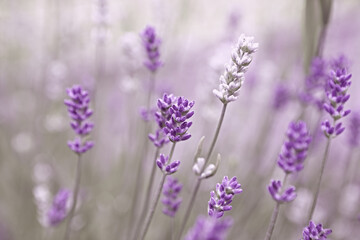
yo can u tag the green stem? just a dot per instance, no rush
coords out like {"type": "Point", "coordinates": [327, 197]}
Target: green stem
{"type": "Point", "coordinates": [75, 196]}
{"type": "Point", "coordinates": [198, 182]}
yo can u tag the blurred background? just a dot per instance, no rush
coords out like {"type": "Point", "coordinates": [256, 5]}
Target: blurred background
{"type": "Point", "coordinates": [47, 46]}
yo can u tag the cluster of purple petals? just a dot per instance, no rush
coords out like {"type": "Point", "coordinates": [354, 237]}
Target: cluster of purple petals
{"type": "Point", "coordinates": [354, 129]}
{"type": "Point", "coordinates": [58, 210]}
{"type": "Point", "coordinates": [275, 191]}
{"type": "Point", "coordinates": [336, 92]}
{"type": "Point", "coordinates": [166, 167]}
{"type": "Point", "coordinates": [282, 96]}
{"type": "Point", "coordinates": [177, 126]}
{"type": "Point", "coordinates": [207, 228]}
{"type": "Point", "coordinates": [146, 114]}
{"type": "Point", "coordinates": [315, 232]}
{"type": "Point", "coordinates": [171, 200]}
{"type": "Point", "coordinates": [79, 111]}
{"type": "Point", "coordinates": [294, 150]}
{"type": "Point", "coordinates": [159, 139]}
{"type": "Point", "coordinates": [221, 198]}
{"type": "Point", "coordinates": [151, 43]}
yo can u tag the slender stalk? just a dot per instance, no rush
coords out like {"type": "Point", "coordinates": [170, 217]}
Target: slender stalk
{"type": "Point", "coordinates": [313, 205]}
{"type": "Point", "coordinates": [158, 193]}
{"type": "Point", "coordinates": [198, 182]}
{"type": "Point", "coordinates": [147, 195]}
{"type": "Point", "coordinates": [75, 196]}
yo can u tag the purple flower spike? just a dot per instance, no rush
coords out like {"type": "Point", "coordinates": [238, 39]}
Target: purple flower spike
{"type": "Point", "coordinates": [221, 198]}
{"type": "Point", "coordinates": [177, 126]}
{"type": "Point", "coordinates": [354, 129]}
{"type": "Point", "coordinates": [281, 97]}
{"type": "Point", "coordinates": [58, 210]}
{"type": "Point", "coordinates": [79, 111]}
{"type": "Point", "coordinates": [164, 104]}
{"type": "Point", "coordinates": [317, 76]}
{"type": "Point", "coordinates": [151, 44]}
{"type": "Point", "coordinates": [294, 150]}
{"type": "Point", "coordinates": [275, 192]}
{"type": "Point", "coordinates": [159, 139]}
{"type": "Point", "coordinates": [166, 167]}
{"type": "Point", "coordinates": [315, 232]}
{"type": "Point", "coordinates": [171, 199]}
{"type": "Point", "coordinates": [209, 229]}
{"type": "Point", "coordinates": [336, 92]}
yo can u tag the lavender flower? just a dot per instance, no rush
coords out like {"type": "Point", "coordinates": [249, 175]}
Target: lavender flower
{"type": "Point", "coordinates": [294, 150]}
{"type": "Point", "coordinates": [79, 111]}
{"type": "Point", "coordinates": [171, 199]}
{"type": "Point", "coordinates": [58, 210]}
{"type": "Point", "coordinates": [151, 43]}
{"type": "Point", "coordinates": [275, 192]}
{"type": "Point", "coordinates": [159, 139]}
{"type": "Point", "coordinates": [233, 77]}
{"type": "Point", "coordinates": [164, 104]}
{"type": "Point", "coordinates": [354, 129]}
{"type": "Point", "coordinates": [209, 229]}
{"type": "Point", "coordinates": [221, 198]}
{"type": "Point", "coordinates": [317, 76]}
{"type": "Point", "coordinates": [166, 167]}
{"type": "Point", "coordinates": [336, 92]}
{"type": "Point", "coordinates": [281, 97]}
{"type": "Point", "coordinates": [177, 126]}
{"type": "Point", "coordinates": [313, 232]}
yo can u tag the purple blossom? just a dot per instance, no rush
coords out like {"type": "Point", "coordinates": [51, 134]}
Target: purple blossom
{"type": "Point", "coordinates": [151, 44]}
{"type": "Point", "coordinates": [164, 104]}
{"type": "Point", "coordinates": [315, 232]}
{"type": "Point", "coordinates": [159, 139]}
{"type": "Point", "coordinates": [317, 75]}
{"type": "Point", "coordinates": [282, 96]}
{"type": "Point", "coordinates": [171, 199]}
{"type": "Point", "coordinates": [354, 129]}
{"type": "Point", "coordinates": [294, 149]}
{"type": "Point", "coordinates": [207, 228]}
{"type": "Point", "coordinates": [79, 111]}
{"type": "Point", "coordinates": [166, 167]}
{"type": "Point", "coordinates": [336, 92]}
{"type": "Point", "coordinates": [58, 210]}
{"type": "Point", "coordinates": [275, 191]}
{"type": "Point", "coordinates": [177, 126]}
{"type": "Point", "coordinates": [221, 198]}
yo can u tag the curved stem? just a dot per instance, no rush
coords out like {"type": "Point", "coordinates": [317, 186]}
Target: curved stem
{"type": "Point", "coordinates": [75, 195]}
{"type": "Point", "coordinates": [198, 182]}
{"type": "Point", "coordinates": [272, 222]}
{"type": "Point", "coordinates": [158, 193]}
{"type": "Point", "coordinates": [147, 195]}
{"type": "Point", "coordinates": [317, 190]}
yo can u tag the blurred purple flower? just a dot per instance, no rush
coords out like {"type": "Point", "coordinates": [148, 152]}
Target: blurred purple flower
{"type": "Point", "coordinates": [313, 232]}
{"type": "Point", "coordinates": [177, 126]}
{"type": "Point", "coordinates": [207, 228]}
{"type": "Point", "coordinates": [354, 129]}
{"type": "Point", "coordinates": [221, 198]}
{"type": "Point", "coordinates": [79, 111]}
{"type": "Point", "coordinates": [151, 43]}
{"type": "Point", "coordinates": [147, 115]}
{"type": "Point", "coordinates": [282, 96]}
{"type": "Point", "coordinates": [336, 92]}
{"type": "Point", "coordinates": [275, 191]}
{"type": "Point", "coordinates": [171, 199]}
{"type": "Point", "coordinates": [58, 210]}
{"type": "Point", "coordinates": [166, 167]}
{"type": "Point", "coordinates": [317, 75]}
{"type": "Point", "coordinates": [294, 150]}
{"type": "Point", "coordinates": [159, 139]}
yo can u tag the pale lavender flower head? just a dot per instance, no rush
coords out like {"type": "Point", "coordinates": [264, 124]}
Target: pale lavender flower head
{"type": "Point", "coordinates": [151, 44]}
{"type": "Point", "coordinates": [58, 210]}
{"type": "Point", "coordinates": [234, 75]}
{"type": "Point", "coordinates": [221, 198]}
{"type": "Point", "coordinates": [171, 200]}
{"type": "Point", "coordinates": [282, 96]}
{"type": "Point", "coordinates": [208, 228]}
{"type": "Point", "coordinates": [318, 74]}
{"type": "Point", "coordinates": [165, 166]}
{"type": "Point", "coordinates": [177, 126]}
{"type": "Point", "coordinates": [79, 111]}
{"type": "Point", "coordinates": [354, 129]}
{"type": "Point", "coordinates": [294, 149]}
{"type": "Point", "coordinates": [336, 92]}
{"type": "Point", "coordinates": [275, 191]}
{"type": "Point", "coordinates": [315, 232]}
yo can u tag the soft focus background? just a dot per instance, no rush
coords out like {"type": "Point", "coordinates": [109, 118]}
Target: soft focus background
{"type": "Point", "coordinates": [49, 45]}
